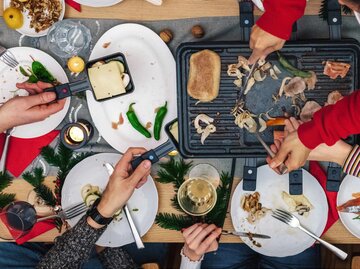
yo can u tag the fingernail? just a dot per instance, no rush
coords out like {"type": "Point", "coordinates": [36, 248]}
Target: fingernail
{"type": "Point", "coordinates": [147, 164]}
{"type": "Point", "coordinates": [273, 164]}
{"type": "Point", "coordinates": [49, 96]}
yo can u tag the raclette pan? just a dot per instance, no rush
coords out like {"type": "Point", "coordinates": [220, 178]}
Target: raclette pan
{"type": "Point", "coordinates": [68, 89]}
{"type": "Point", "coordinates": [154, 155]}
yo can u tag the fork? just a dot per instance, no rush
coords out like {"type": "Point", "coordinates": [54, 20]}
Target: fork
{"type": "Point", "coordinates": [8, 58]}
{"type": "Point", "coordinates": [69, 213]}
{"type": "Point", "coordinates": [294, 222]}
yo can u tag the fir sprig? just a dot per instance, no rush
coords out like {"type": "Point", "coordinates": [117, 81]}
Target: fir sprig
{"type": "Point", "coordinates": [6, 198]}
{"type": "Point", "coordinates": [324, 12]}
{"type": "Point", "coordinates": [173, 221]}
{"type": "Point", "coordinates": [5, 181]}
{"type": "Point", "coordinates": [173, 172]}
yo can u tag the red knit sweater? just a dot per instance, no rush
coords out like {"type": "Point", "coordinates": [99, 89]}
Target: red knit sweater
{"type": "Point", "coordinates": [280, 15]}
{"type": "Point", "coordinates": [332, 122]}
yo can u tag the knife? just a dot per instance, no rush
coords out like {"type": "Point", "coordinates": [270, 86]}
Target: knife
{"type": "Point", "coordinates": [246, 81]}
{"type": "Point", "coordinates": [134, 231]}
{"type": "Point", "coordinates": [244, 234]}
{"type": "Point", "coordinates": [351, 209]}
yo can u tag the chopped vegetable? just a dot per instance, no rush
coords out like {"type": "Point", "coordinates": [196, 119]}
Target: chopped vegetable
{"type": "Point", "coordinates": [159, 119]}
{"type": "Point", "coordinates": [291, 69]}
{"type": "Point", "coordinates": [134, 121]}
{"type": "Point", "coordinates": [42, 73]}
{"type": "Point", "coordinates": [276, 122]}
{"type": "Point", "coordinates": [209, 129]}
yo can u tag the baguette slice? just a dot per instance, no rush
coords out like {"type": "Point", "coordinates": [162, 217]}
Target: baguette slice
{"type": "Point", "coordinates": [204, 75]}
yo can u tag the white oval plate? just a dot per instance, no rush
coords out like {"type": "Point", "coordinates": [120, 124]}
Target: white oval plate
{"type": "Point", "coordinates": [9, 77]}
{"type": "Point", "coordinates": [153, 70]}
{"type": "Point", "coordinates": [285, 240]}
{"type": "Point", "coordinates": [25, 29]}
{"type": "Point", "coordinates": [97, 3]}
{"type": "Point", "coordinates": [349, 185]}
{"type": "Point", "coordinates": [92, 171]}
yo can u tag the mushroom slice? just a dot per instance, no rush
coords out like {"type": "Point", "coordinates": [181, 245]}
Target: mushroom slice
{"type": "Point", "coordinates": [276, 69]}
{"type": "Point", "coordinates": [238, 82]}
{"type": "Point", "coordinates": [207, 131]}
{"type": "Point", "coordinates": [308, 111]}
{"type": "Point", "coordinates": [295, 86]}
{"type": "Point", "coordinates": [249, 85]}
{"type": "Point", "coordinates": [266, 66]}
{"type": "Point", "coordinates": [126, 79]}
{"type": "Point", "coordinates": [261, 62]}
{"type": "Point", "coordinates": [243, 63]}
{"type": "Point", "coordinates": [262, 125]}
{"type": "Point", "coordinates": [273, 74]}
{"type": "Point", "coordinates": [311, 81]}
{"type": "Point", "coordinates": [333, 97]}
{"type": "Point", "coordinates": [233, 71]}
{"type": "Point", "coordinates": [204, 118]}
{"type": "Point", "coordinates": [259, 75]}
{"type": "Point", "coordinates": [281, 90]}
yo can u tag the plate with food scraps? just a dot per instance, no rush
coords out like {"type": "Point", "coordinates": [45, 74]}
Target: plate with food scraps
{"type": "Point", "coordinates": [349, 195]}
{"type": "Point", "coordinates": [272, 192]}
{"type": "Point", "coordinates": [38, 16]}
{"type": "Point", "coordinates": [9, 77]}
{"type": "Point", "coordinates": [88, 179]}
{"type": "Point", "coordinates": [153, 72]}
{"type": "Point", "coordinates": [97, 3]}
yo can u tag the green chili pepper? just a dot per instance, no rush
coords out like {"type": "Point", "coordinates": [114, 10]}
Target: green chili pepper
{"type": "Point", "coordinates": [42, 73]}
{"type": "Point", "coordinates": [291, 69]}
{"type": "Point", "coordinates": [160, 115]}
{"type": "Point", "coordinates": [23, 71]}
{"type": "Point", "coordinates": [134, 121]}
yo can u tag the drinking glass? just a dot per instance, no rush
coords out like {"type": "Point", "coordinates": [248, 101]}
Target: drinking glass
{"type": "Point", "coordinates": [16, 220]}
{"type": "Point", "coordinates": [68, 38]}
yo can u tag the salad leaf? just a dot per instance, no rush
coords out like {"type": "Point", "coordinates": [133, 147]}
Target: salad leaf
{"type": "Point", "coordinates": [41, 73]}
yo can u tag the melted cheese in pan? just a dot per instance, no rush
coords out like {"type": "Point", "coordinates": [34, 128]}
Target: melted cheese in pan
{"type": "Point", "coordinates": [106, 80]}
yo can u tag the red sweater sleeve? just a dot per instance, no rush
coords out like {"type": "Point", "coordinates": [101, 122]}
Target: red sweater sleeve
{"type": "Point", "coordinates": [280, 15]}
{"type": "Point", "coordinates": [332, 122]}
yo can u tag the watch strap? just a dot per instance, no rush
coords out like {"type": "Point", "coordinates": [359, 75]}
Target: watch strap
{"type": "Point", "coordinates": [96, 216]}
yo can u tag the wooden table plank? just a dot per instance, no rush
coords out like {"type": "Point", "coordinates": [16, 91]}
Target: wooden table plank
{"type": "Point", "coordinates": [336, 234]}
{"type": "Point", "coordinates": [140, 10]}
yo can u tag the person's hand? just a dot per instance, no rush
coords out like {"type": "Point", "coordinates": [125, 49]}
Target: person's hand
{"type": "Point", "coordinates": [292, 152]}
{"type": "Point", "coordinates": [123, 182]}
{"type": "Point", "coordinates": [263, 43]}
{"type": "Point", "coordinates": [27, 109]}
{"type": "Point", "coordinates": [200, 239]}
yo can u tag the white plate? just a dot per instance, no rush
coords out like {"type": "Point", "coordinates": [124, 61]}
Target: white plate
{"type": "Point", "coordinates": [25, 29]}
{"type": "Point", "coordinates": [285, 240]}
{"type": "Point", "coordinates": [349, 185]}
{"type": "Point", "coordinates": [9, 77]}
{"type": "Point", "coordinates": [153, 70]}
{"type": "Point", "coordinates": [98, 3]}
{"type": "Point", "coordinates": [92, 171]}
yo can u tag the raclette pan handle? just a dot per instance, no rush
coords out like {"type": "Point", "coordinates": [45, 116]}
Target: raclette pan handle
{"type": "Point", "coordinates": [68, 89]}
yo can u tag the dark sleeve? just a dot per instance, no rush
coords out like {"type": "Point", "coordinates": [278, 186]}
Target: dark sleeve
{"type": "Point", "coordinates": [116, 258]}
{"type": "Point", "coordinates": [332, 122]}
{"type": "Point", "coordinates": [72, 248]}
{"type": "Point", "coordinates": [280, 15]}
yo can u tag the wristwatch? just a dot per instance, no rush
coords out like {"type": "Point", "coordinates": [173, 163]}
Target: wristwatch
{"type": "Point", "coordinates": [96, 216]}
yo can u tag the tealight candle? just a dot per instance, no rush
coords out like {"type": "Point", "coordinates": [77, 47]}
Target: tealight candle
{"type": "Point", "coordinates": [76, 135]}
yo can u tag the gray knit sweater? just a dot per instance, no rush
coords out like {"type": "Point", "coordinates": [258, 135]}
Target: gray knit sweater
{"type": "Point", "coordinates": [73, 248]}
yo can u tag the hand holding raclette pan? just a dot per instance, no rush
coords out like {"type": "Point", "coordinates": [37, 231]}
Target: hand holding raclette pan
{"type": "Point", "coordinates": [105, 87]}
{"type": "Point", "coordinates": [154, 155]}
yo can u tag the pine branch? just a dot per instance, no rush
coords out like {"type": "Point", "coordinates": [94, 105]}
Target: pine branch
{"type": "Point", "coordinates": [324, 12]}
{"type": "Point", "coordinates": [175, 204]}
{"type": "Point", "coordinates": [173, 221]}
{"type": "Point", "coordinates": [50, 156]}
{"type": "Point", "coordinates": [173, 172]}
{"type": "Point", "coordinates": [35, 178]}
{"type": "Point", "coordinates": [6, 198]}
{"type": "Point", "coordinates": [45, 193]}
{"type": "Point", "coordinates": [5, 180]}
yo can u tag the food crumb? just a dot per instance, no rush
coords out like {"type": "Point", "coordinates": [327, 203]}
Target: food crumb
{"type": "Point", "coordinates": [114, 125]}
{"type": "Point", "coordinates": [135, 209]}
{"type": "Point", "coordinates": [121, 119]}
{"type": "Point", "coordinates": [148, 125]}
{"type": "Point", "coordinates": [105, 45]}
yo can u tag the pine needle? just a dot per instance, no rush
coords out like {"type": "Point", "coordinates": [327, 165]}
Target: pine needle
{"type": "Point", "coordinates": [45, 193]}
{"type": "Point", "coordinates": [173, 172]}
{"type": "Point", "coordinates": [35, 178]}
{"type": "Point", "coordinates": [173, 221]}
{"type": "Point", "coordinates": [6, 198]}
{"type": "Point", "coordinates": [5, 180]}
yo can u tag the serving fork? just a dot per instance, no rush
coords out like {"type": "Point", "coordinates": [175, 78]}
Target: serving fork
{"type": "Point", "coordinates": [8, 58]}
{"type": "Point", "coordinates": [68, 213]}
{"type": "Point", "coordinates": [294, 222]}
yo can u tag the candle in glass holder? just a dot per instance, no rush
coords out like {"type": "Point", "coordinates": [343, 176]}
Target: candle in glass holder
{"type": "Point", "coordinates": [76, 135]}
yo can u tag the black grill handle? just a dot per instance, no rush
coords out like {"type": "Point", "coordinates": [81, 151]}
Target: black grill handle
{"type": "Point", "coordinates": [334, 19]}
{"type": "Point", "coordinates": [246, 19]}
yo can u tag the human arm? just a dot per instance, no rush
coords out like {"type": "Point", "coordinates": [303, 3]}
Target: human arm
{"type": "Point", "coordinates": [72, 249]}
{"type": "Point", "coordinates": [27, 109]}
{"type": "Point", "coordinates": [199, 239]}
{"type": "Point", "coordinates": [274, 27]}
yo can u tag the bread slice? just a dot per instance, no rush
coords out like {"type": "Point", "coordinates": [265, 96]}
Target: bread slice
{"type": "Point", "coordinates": [204, 75]}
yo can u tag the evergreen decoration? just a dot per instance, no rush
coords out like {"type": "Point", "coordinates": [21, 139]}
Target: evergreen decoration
{"type": "Point", "coordinates": [174, 172]}
{"type": "Point", "coordinates": [65, 160]}
{"type": "Point", "coordinates": [5, 181]}
{"type": "Point", "coordinates": [324, 12]}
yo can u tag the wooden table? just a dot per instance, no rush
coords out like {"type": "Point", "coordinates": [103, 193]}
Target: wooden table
{"type": "Point", "coordinates": [140, 10]}
{"type": "Point", "coordinates": [336, 234]}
